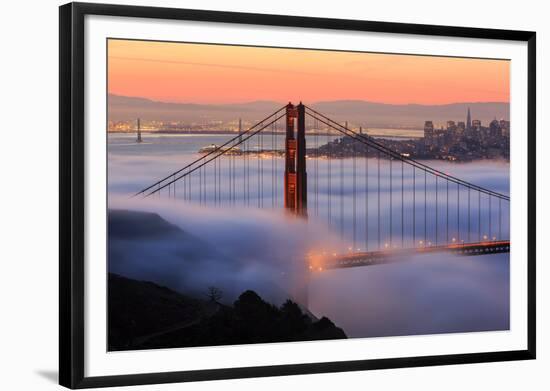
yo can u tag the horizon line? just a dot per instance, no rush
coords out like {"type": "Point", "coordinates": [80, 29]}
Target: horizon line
{"type": "Point", "coordinates": [315, 102]}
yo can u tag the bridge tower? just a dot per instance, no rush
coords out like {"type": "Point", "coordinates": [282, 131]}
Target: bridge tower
{"type": "Point", "coordinates": [296, 190]}
{"type": "Point", "coordinates": [290, 159]}
{"type": "Point", "coordinates": [295, 195]}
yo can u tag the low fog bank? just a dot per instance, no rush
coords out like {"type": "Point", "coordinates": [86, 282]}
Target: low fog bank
{"type": "Point", "coordinates": [237, 248]}
{"type": "Point", "coordinates": [428, 294]}
{"type": "Point", "coordinates": [189, 248]}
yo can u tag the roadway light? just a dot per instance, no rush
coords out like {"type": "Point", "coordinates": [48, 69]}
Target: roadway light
{"type": "Point", "coordinates": [453, 240]}
{"type": "Point", "coordinates": [484, 237]}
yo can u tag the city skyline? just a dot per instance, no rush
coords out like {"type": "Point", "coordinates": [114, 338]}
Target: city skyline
{"type": "Point", "coordinates": [217, 74]}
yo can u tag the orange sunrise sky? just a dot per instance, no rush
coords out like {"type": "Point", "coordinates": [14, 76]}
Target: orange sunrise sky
{"type": "Point", "coordinates": [200, 73]}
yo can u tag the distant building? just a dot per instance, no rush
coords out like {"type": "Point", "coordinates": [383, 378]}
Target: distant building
{"type": "Point", "coordinates": [476, 125]}
{"type": "Point", "coordinates": [429, 133]}
{"type": "Point", "coordinates": [505, 127]}
{"type": "Point", "coordinates": [452, 134]}
{"type": "Point", "coordinates": [495, 130]}
{"type": "Point", "coordinates": [468, 120]}
{"type": "Point", "coordinates": [460, 128]}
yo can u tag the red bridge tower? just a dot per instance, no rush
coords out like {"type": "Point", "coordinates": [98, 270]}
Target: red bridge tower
{"type": "Point", "coordinates": [295, 161]}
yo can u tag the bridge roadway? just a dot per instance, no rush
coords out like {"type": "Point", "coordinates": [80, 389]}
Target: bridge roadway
{"type": "Point", "coordinates": [370, 258]}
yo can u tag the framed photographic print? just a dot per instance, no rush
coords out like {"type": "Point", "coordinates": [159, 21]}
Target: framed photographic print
{"type": "Point", "coordinates": [260, 195]}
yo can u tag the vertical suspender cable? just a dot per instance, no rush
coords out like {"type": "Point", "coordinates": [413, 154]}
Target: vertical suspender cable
{"type": "Point", "coordinates": [276, 171]}
{"type": "Point", "coordinates": [342, 191]}
{"type": "Point", "coordinates": [329, 212]}
{"type": "Point", "coordinates": [262, 169]}
{"type": "Point", "coordinates": [499, 220]}
{"type": "Point", "coordinates": [469, 227]}
{"type": "Point", "coordinates": [378, 200]}
{"type": "Point", "coordinates": [479, 215]}
{"type": "Point", "coordinates": [316, 136]}
{"type": "Point", "coordinates": [458, 212]}
{"type": "Point", "coordinates": [490, 219]}
{"type": "Point", "coordinates": [414, 206]}
{"type": "Point", "coordinates": [258, 168]}
{"type": "Point", "coordinates": [436, 210]}
{"type": "Point", "coordinates": [243, 154]}
{"type": "Point", "coordinates": [367, 198]}
{"type": "Point", "coordinates": [354, 196]}
{"type": "Point", "coordinates": [425, 209]}
{"type": "Point", "coordinates": [248, 152]}
{"type": "Point", "coordinates": [447, 210]}
{"type": "Point", "coordinates": [391, 203]}
{"type": "Point", "coordinates": [273, 165]}
{"type": "Point", "coordinates": [402, 204]}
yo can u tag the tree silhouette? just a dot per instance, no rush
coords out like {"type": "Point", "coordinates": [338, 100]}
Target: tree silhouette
{"type": "Point", "coordinates": [214, 294]}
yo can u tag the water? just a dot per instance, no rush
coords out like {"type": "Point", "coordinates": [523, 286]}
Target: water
{"type": "Point", "coordinates": [427, 294]}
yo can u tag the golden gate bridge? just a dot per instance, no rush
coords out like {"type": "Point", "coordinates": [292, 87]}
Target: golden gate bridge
{"type": "Point", "coordinates": [460, 217]}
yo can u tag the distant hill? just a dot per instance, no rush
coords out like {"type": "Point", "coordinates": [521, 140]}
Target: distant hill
{"type": "Point", "coordinates": [364, 113]}
{"type": "Point", "coordinates": [122, 108]}
{"type": "Point", "coordinates": [372, 114]}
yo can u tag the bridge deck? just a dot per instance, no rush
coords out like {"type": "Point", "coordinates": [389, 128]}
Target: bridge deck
{"type": "Point", "coordinates": [385, 256]}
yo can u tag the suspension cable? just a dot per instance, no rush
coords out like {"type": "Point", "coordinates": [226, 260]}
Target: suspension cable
{"type": "Point", "coordinates": [221, 152]}
{"type": "Point", "coordinates": [368, 139]}
{"type": "Point", "coordinates": [217, 149]}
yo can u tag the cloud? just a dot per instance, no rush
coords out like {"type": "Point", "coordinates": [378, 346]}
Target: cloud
{"type": "Point", "coordinates": [234, 249]}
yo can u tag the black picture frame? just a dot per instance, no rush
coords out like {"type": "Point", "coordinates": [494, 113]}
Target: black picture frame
{"type": "Point", "coordinates": [71, 190]}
